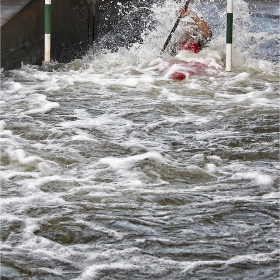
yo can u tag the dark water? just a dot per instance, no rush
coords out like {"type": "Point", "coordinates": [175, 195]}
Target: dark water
{"type": "Point", "coordinates": [112, 170]}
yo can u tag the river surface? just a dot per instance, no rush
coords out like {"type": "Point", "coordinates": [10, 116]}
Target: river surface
{"type": "Point", "coordinates": [110, 169]}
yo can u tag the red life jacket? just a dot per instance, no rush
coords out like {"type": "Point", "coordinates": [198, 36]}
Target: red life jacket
{"type": "Point", "coordinates": [190, 46]}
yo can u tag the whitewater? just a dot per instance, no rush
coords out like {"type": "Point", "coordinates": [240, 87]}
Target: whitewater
{"type": "Point", "coordinates": [110, 169]}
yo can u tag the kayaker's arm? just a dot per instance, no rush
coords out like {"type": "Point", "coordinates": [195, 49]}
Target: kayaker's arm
{"type": "Point", "coordinates": [202, 25]}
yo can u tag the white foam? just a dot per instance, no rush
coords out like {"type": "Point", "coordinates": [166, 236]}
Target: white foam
{"type": "Point", "coordinates": [171, 96]}
{"type": "Point", "coordinates": [215, 159]}
{"type": "Point", "coordinates": [131, 82]}
{"type": "Point", "coordinates": [124, 172]}
{"type": "Point", "coordinates": [206, 56]}
{"type": "Point", "coordinates": [116, 163]}
{"type": "Point", "coordinates": [20, 156]}
{"type": "Point", "coordinates": [239, 259]}
{"type": "Point", "coordinates": [257, 178]}
{"type": "Point", "coordinates": [41, 105]}
{"type": "Point", "coordinates": [83, 137]}
{"type": "Point", "coordinates": [212, 169]}
{"type": "Point", "coordinates": [272, 195]}
{"type": "Point", "coordinates": [2, 125]}
{"type": "Point", "coordinates": [93, 272]}
{"type": "Point", "coordinates": [6, 133]}
{"type": "Point", "coordinates": [15, 87]}
{"type": "Point", "coordinates": [265, 65]}
{"type": "Point", "coordinates": [241, 77]}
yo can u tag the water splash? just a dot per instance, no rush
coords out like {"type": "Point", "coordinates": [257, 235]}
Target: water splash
{"type": "Point", "coordinates": [251, 43]}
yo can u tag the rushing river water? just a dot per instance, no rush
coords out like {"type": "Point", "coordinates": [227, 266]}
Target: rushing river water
{"type": "Point", "coordinates": [112, 170]}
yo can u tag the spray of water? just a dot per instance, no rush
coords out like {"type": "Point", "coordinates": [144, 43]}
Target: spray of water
{"type": "Point", "coordinates": [157, 21]}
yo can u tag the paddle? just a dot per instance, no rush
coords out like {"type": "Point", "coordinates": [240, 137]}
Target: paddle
{"type": "Point", "coordinates": [173, 30]}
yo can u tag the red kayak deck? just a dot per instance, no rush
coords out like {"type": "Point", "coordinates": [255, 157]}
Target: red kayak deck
{"type": "Point", "coordinates": [179, 70]}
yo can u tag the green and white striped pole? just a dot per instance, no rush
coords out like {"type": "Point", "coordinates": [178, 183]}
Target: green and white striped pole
{"type": "Point", "coordinates": [229, 35]}
{"type": "Point", "coordinates": [48, 30]}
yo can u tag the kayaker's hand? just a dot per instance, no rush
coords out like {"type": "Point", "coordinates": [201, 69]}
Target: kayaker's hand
{"type": "Point", "coordinates": [184, 12]}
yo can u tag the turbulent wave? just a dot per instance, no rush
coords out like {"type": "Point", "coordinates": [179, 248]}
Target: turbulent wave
{"type": "Point", "coordinates": [112, 170]}
{"type": "Point", "coordinates": [251, 38]}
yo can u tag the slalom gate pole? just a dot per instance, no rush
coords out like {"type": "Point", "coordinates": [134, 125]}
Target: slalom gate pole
{"type": "Point", "coordinates": [47, 56]}
{"type": "Point", "coordinates": [229, 35]}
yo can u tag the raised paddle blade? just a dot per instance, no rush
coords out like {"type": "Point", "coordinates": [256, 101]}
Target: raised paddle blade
{"type": "Point", "coordinates": [172, 31]}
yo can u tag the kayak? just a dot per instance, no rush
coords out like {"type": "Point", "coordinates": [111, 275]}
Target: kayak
{"type": "Point", "coordinates": [180, 69]}
{"type": "Point", "coordinates": [187, 64]}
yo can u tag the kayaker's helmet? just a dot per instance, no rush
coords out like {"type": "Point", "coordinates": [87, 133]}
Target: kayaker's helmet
{"type": "Point", "coordinates": [192, 30]}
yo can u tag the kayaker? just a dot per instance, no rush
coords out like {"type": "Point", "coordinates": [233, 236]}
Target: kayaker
{"type": "Point", "coordinates": [197, 32]}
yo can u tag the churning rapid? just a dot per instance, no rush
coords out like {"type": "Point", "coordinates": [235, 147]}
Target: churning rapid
{"type": "Point", "coordinates": [112, 170]}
